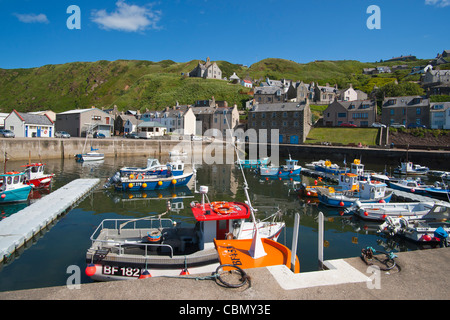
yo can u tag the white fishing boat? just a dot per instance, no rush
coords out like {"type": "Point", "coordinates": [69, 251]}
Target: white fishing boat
{"type": "Point", "coordinates": [92, 155]}
{"type": "Point", "coordinates": [431, 228]}
{"type": "Point", "coordinates": [380, 211]}
{"type": "Point", "coordinates": [408, 168]}
{"type": "Point", "coordinates": [409, 185]}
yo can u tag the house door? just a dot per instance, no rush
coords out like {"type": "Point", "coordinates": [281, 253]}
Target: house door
{"type": "Point", "coordinates": [281, 138]}
{"type": "Point", "coordinates": [39, 132]}
{"type": "Point", "coordinates": [294, 140]}
{"type": "Point", "coordinates": [222, 229]}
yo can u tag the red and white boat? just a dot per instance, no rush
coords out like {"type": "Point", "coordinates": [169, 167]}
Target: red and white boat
{"type": "Point", "coordinates": [36, 177]}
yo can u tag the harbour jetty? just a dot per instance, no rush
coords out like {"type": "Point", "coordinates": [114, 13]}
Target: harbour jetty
{"type": "Point", "coordinates": [423, 275]}
{"type": "Point", "coordinates": [21, 227]}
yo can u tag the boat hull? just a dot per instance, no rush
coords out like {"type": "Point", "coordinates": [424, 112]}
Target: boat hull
{"type": "Point", "coordinates": [15, 195]}
{"type": "Point", "coordinates": [43, 182]}
{"type": "Point", "coordinates": [337, 201]}
{"type": "Point", "coordinates": [153, 183]}
{"type": "Point", "coordinates": [379, 212]}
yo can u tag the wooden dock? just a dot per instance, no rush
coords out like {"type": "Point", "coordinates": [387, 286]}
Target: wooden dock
{"type": "Point", "coordinates": [22, 226]}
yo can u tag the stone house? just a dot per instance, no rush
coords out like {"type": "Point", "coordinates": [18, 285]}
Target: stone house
{"type": "Point", "coordinates": [362, 113]}
{"type": "Point", "coordinates": [26, 125]}
{"type": "Point", "coordinates": [292, 119]}
{"type": "Point", "coordinates": [324, 94]}
{"type": "Point", "coordinates": [79, 122]}
{"type": "Point", "coordinates": [436, 82]}
{"type": "Point", "coordinates": [406, 110]}
{"type": "Point", "coordinates": [218, 119]}
{"type": "Point", "coordinates": [207, 70]}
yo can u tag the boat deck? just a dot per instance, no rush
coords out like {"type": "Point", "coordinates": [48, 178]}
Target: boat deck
{"type": "Point", "coordinates": [22, 226]}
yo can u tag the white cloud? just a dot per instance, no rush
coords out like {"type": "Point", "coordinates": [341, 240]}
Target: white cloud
{"type": "Point", "coordinates": [32, 18]}
{"type": "Point", "coordinates": [438, 3]}
{"type": "Point", "coordinates": [129, 18]}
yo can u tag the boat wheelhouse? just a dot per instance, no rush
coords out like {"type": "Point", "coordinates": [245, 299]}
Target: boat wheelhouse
{"type": "Point", "coordinates": [13, 187]}
{"type": "Point", "coordinates": [36, 176]}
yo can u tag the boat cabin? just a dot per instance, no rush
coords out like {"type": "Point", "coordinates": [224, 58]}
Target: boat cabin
{"type": "Point", "coordinates": [12, 180]}
{"type": "Point", "coordinates": [348, 181]}
{"type": "Point", "coordinates": [34, 170]}
{"type": "Point", "coordinates": [357, 167]}
{"type": "Point", "coordinates": [372, 189]}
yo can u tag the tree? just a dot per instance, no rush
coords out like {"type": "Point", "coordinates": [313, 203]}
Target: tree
{"type": "Point", "coordinates": [397, 90]}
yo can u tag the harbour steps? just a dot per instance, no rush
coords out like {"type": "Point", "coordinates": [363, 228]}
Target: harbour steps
{"type": "Point", "coordinates": [22, 226]}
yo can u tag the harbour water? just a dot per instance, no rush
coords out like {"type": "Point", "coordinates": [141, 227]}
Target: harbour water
{"type": "Point", "coordinates": [45, 262]}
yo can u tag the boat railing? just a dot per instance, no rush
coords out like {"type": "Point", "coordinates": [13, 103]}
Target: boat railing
{"type": "Point", "coordinates": [113, 228]}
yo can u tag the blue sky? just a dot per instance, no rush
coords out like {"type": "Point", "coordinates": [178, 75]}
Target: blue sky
{"type": "Point", "coordinates": [34, 33]}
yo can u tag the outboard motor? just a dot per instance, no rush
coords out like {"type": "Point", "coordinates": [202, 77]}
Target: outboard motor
{"type": "Point", "coordinates": [113, 180]}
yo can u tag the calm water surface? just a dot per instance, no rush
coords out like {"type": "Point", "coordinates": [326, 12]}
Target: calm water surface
{"type": "Point", "coordinates": [44, 263]}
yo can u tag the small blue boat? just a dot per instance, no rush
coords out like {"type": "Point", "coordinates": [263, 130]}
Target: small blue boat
{"type": "Point", "coordinates": [369, 192]}
{"type": "Point", "coordinates": [152, 182]}
{"type": "Point", "coordinates": [328, 167]}
{"type": "Point", "coordinates": [154, 168]}
{"type": "Point", "coordinates": [253, 163]}
{"type": "Point", "coordinates": [13, 187]}
{"type": "Point", "coordinates": [290, 169]}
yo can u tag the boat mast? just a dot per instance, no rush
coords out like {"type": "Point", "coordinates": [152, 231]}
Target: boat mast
{"type": "Point", "coordinates": [257, 248]}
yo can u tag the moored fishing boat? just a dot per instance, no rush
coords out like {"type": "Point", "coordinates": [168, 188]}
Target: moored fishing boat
{"type": "Point", "coordinates": [346, 182]}
{"type": "Point", "coordinates": [291, 168]}
{"type": "Point", "coordinates": [408, 168]}
{"type": "Point", "coordinates": [35, 176]}
{"type": "Point", "coordinates": [380, 211]}
{"type": "Point", "coordinates": [328, 167]}
{"type": "Point", "coordinates": [255, 163]}
{"type": "Point", "coordinates": [369, 191]}
{"type": "Point", "coordinates": [431, 228]}
{"type": "Point", "coordinates": [409, 185]}
{"type": "Point", "coordinates": [154, 167]}
{"type": "Point", "coordinates": [153, 246]}
{"type": "Point", "coordinates": [154, 182]}
{"type": "Point", "coordinates": [13, 187]}
{"type": "Point", "coordinates": [92, 155]}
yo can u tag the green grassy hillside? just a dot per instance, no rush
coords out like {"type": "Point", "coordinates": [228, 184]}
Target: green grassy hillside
{"type": "Point", "coordinates": [131, 84]}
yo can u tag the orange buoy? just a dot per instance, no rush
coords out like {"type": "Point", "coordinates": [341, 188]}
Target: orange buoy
{"type": "Point", "coordinates": [145, 275]}
{"type": "Point", "coordinates": [160, 183]}
{"type": "Point", "coordinates": [90, 270]}
{"type": "Point", "coordinates": [130, 185]}
{"type": "Point", "coordinates": [184, 272]}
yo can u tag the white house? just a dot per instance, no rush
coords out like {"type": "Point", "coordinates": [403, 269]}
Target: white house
{"type": "Point", "coordinates": [247, 83]}
{"type": "Point", "coordinates": [440, 115]}
{"type": "Point", "coordinates": [150, 129]}
{"type": "Point", "coordinates": [2, 119]}
{"type": "Point", "coordinates": [348, 94]}
{"type": "Point", "coordinates": [26, 125]}
{"type": "Point", "coordinates": [178, 119]}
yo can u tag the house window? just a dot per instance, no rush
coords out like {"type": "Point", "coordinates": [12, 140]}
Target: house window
{"type": "Point", "coordinates": [295, 114]}
{"type": "Point", "coordinates": [392, 112]}
{"type": "Point", "coordinates": [263, 123]}
{"type": "Point", "coordinates": [285, 114]}
{"type": "Point", "coordinates": [284, 123]}
{"type": "Point", "coordinates": [418, 111]}
{"type": "Point", "coordinates": [96, 118]}
{"type": "Point", "coordinates": [263, 115]}
{"type": "Point", "coordinates": [274, 123]}
{"type": "Point", "coordinates": [296, 124]}
{"type": "Point", "coordinates": [342, 115]}
{"type": "Point", "coordinates": [274, 114]}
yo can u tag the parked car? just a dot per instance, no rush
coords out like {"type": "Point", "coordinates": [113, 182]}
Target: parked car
{"type": "Point", "coordinates": [99, 135]}
{"type": "Point", "coordinates": [397, 125]}
{"type": "Point", "coordinates": [61, 134]}
{"type": "Point", "coordinates": [378, 125]}
{"type": "Point", "coordinates": [132, 135]}
{"type": "Point", "coordinates": [349, 125]}
{"type": "Point", "coordinates": [7, 133]}
{"type": "Point", "coordinates": [415, 125]}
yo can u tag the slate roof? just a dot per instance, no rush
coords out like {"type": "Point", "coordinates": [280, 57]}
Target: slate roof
{"type": "Point", "coordinates": [34, 118]}
{"type": "Point", "coordinates": [274, 107]}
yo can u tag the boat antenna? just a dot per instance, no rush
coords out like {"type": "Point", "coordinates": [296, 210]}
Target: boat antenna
{"type": "Point", "coordinates": [257, 248]}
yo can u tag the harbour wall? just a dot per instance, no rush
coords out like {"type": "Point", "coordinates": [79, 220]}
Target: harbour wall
{"type": "Point", "coordinates": [51, 148]}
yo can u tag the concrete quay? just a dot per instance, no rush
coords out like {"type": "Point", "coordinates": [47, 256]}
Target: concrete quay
{"type": "Point", "coordinates": [423, 275]}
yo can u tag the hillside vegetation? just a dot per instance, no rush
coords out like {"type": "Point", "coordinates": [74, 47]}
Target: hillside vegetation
{"type": "Point", "coordinates": [131, 84]}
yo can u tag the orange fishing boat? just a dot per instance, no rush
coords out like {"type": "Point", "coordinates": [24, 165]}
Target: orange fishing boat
{"type": "Point", "coordinates": [240, 253]}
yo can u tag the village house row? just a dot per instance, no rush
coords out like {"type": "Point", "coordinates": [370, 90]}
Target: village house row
{"type": "Point", "coordinates": [283, 105]}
